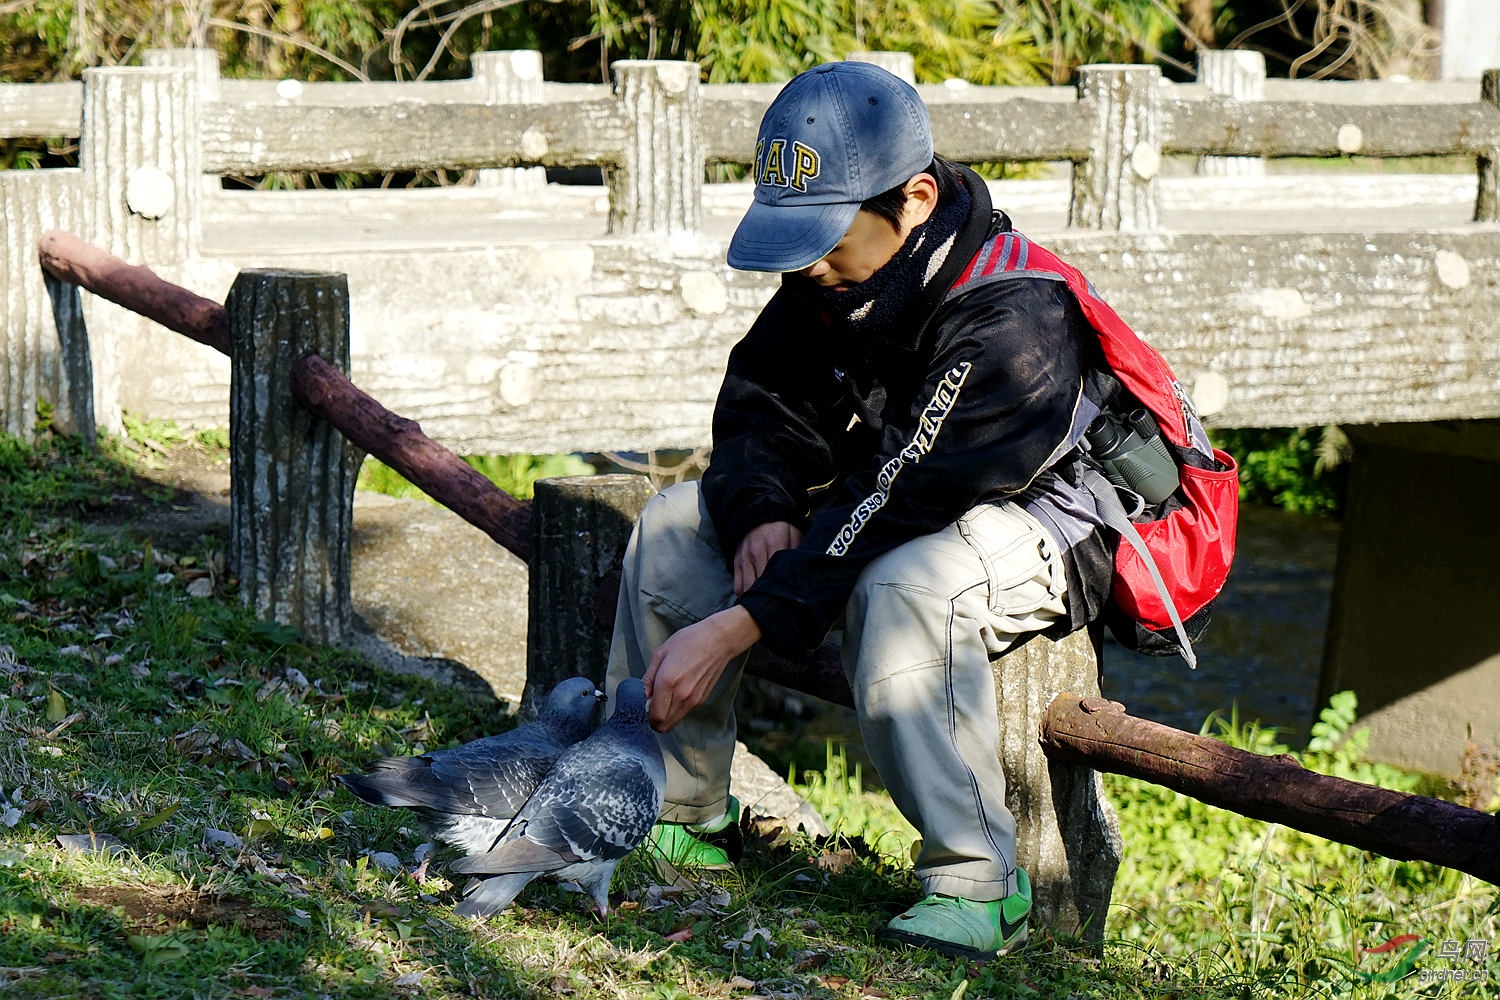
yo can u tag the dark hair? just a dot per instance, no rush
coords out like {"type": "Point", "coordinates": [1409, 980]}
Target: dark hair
{"type": "Point", "coordinates": [888, 204]}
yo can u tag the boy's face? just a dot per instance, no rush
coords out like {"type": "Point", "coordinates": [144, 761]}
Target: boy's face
{"type": "Point", "coordinates": [868, 246]}
{"type": "Point", "coordinates": [872, 241]}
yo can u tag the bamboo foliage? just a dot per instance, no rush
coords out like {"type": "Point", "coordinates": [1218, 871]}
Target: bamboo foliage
{"type": "Point", "coordinates": [984, 41]}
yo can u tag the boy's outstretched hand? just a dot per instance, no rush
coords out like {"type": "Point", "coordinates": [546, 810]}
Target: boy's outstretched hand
{"type": "Point", "coordinates": [685, 669]}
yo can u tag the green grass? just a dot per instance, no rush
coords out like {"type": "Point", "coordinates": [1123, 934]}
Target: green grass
{"type": "Point", "coordinates": [204, 742]}
{"type": "Point", "coordinates": [515, 474]}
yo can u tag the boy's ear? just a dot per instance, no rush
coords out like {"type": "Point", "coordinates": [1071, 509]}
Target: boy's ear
{"type": "Point", "coordinates": [921, 198]}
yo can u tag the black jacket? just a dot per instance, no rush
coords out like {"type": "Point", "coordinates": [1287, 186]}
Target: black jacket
{"type": "Point", "coordinates": [868, 443]}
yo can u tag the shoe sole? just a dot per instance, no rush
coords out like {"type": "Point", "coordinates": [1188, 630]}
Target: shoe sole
{"type": "Point", "coordinates": [952, 949]}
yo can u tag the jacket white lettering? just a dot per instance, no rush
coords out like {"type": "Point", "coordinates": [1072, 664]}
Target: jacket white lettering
{"type": "Point", "coordinates": [944, 398]}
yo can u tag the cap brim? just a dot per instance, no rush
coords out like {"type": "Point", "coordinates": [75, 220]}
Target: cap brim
{"type": "Point", "coordinates": [788, 237]}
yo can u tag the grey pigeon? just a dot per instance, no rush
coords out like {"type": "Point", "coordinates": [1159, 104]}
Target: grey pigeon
{"type": "Point", "coordinates": [597, 803]}
{"type": "Point", "coordinates": [466, 796]}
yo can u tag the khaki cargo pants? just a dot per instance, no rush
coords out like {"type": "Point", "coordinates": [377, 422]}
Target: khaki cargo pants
{"type": "Point", "coordinates": [919, 633]}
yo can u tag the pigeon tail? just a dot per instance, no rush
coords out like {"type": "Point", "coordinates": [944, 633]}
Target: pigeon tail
{"type": "Point", "coordinates": [390, 784]}
{"type": "Point", "coordinates": [492, 895]}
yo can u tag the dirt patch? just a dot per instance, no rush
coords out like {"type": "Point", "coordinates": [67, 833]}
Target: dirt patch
{"type": "Point", "coordinates": [441, 598]}
{"type": "Point", "coordinates": [152, 909]}
{"type": "Point", "coordinates": [179, 496]}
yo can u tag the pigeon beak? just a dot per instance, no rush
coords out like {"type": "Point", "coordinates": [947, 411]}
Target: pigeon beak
{"type": "Point", "coordinates": [600, 695]}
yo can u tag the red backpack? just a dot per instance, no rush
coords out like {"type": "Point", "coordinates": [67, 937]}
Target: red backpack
{"type": "Point", "coordinates": [1169, 568]}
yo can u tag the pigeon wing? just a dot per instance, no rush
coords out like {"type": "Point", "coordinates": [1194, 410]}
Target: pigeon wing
{"type": "Point", "coordinates": [495, 780]}
{"type": "Point", "coordinates": [608, 815]}
{"type": "Point", "coordinates": [490, 777]}
{"type": "Point", "coordinates": [588, 808]}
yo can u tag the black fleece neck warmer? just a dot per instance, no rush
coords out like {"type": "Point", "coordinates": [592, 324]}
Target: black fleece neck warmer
{"type": "Point", "coordinates": [877, 303]}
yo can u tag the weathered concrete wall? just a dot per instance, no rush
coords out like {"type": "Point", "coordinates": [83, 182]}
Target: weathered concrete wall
{"type": "Point", "coordinates": [617, 344]}
{"type": "Point", "coordinates": [529, 335]}
{"type": "Point", "coordinates": [568, 346]}
{"type": "Point", "coordinates": [1316, 328]}
{"type": "Point", "coordinates": [1418, 584]}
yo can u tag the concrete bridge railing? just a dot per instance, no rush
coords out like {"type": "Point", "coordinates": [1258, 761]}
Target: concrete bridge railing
{"type": "Point", "coordinates": [514, 316]}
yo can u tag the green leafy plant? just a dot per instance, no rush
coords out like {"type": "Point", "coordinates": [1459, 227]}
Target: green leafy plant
{"type": "Point", "coordinates": [517, 474]}
{"type": "Point", "coordinates": [838, 791]}
{"type": "Point", "coordinates": [1300, 469]}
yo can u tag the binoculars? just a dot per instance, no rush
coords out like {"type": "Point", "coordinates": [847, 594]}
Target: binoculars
{"type": "Point", "coordinates": [1133, 454]}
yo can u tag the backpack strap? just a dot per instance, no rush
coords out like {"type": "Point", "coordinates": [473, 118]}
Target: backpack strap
{"type": "Point", "coordinates": [1112, 512]}
{"type": "Point", "coordinates": [1008, 254]}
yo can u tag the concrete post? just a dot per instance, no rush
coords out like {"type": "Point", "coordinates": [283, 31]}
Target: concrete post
{"type": "Point", "coordinates": [20, 332]}
{"type": "Point", "coordinates": [658, 188]}
{"type": "Point", "coordinates": [1487, 205]}
{"type": "Point", "coordinates": [39, 363]}
{"type": "Point", "coordinates": [1116, 188]}
{"type": "Point", "coordinates": [510, 77]}
{"type": "Point", "coordinates": [1067, 836]}
{"type": "Point", "coordinates": [140, 155]}
{"type": "Point", "coordinates": [1416, 592]}
{"type": "Point", "coordinates": [203, 75]}
{"type": "Point", "coordinates": [202, 64]}
{"type": "Point", "coordinates": [74, 410]}
{"type": "Point", "coordinates": [291, 493]}
{"type": "Point", "coordinates": [1239, 75]}
{"type": "Point", "coordinates": [898, 63]}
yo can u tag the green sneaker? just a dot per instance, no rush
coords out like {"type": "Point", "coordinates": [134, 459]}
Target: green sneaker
{"type": "Point", "coordinates": [965, 927]}
{"type": "Point", "coordinates": [715, 845]}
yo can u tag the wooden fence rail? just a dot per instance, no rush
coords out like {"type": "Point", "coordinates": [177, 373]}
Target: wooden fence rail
{"type": "Point", "coordinates": [258, 127]}
{"type": "Point", "coordinates": [1098, 733]}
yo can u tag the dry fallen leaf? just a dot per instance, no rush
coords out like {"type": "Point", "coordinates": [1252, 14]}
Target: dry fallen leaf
{"type": "Point", "coordinates": [834, 862]}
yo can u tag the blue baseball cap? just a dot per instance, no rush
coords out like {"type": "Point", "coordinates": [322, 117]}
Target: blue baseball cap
{"type": "Point", "coordinates": [836, 135]}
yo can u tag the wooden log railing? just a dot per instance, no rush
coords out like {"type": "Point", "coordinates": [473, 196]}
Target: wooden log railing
{"type": "Point", "coordinates": [1097, 733]}
{"type": "Point", "coordinates": [317, 384]}
{"type": "Point", "coordinates": [1071, 840]}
